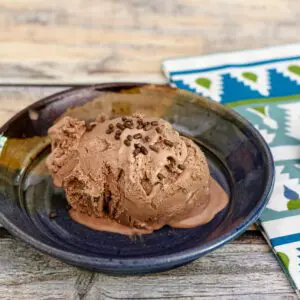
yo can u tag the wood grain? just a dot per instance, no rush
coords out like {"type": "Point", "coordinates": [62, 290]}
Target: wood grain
{"type": "Point", "coordinates": [28, 274]}
{"type": "Point", "coordinates": [55, 42]}
{"type": "Point", "coordinates": [241, 270]}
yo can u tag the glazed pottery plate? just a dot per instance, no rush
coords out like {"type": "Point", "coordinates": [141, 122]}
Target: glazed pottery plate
{"type": "Point", "coordinates": [238, 157]}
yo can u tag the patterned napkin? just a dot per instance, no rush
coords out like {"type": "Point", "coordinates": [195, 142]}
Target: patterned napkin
{"type": "Point", "coordinates": [263, 86]}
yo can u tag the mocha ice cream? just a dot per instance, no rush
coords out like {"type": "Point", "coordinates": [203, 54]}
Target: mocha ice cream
{"type": "Point", "coordinates": [132, 175]}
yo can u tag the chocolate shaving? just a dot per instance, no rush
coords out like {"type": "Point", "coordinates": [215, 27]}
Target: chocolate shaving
{"type": "Point", "coordinates": [160, 176]}
{"type": "Point", "coordinates": [181, 167]}
{"type": "Point", "coordinates": [144, 150]}
{"type": "Point", "coordinates": [147, 139]}
{"type": "Point", "coordinates": [127, 143]}
{"type": "Point", "coordinates": [168, 143]}
{"type": "Point", "coordinates": [171, 160]}
{"type": "Point", "coordinates": [129, 137]}
{"type": "Point", "coordinates": [147, 127]}
{"type": "Point", "coordinates": [111, 126]}
{"type": "Point", "coordinates": [154, 123]}
{"type": "Point", "coordinates": [108, 131]}
{"type": "Point", "coordinates": [153, 148]}
{"type": "Point", "coordinates": [118, 132]}
{"type": "Point", "coordinates": [117, 136]}
{"type": "Point", "coordinates": [120, 126]}
{"type": "Point", "coordinates": [137, 146]}
{"type": "Point", "coordinates": [158, 130]}
{"type": "Point", "coordinates": [128, 124]}
{"type": "Point", "coordinates": [137, 136]}
{"type": "Point", "coordinates": [136, 151]}
{"type": "Point", "coordinates": [168, 167]}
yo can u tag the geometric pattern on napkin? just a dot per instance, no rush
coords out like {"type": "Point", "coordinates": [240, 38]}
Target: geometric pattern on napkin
{"type": "Point", "coordinates": [263, 86]}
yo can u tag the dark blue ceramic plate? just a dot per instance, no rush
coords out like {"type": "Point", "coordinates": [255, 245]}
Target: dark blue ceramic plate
{"type": "Point", "coordinates": [239, 160]}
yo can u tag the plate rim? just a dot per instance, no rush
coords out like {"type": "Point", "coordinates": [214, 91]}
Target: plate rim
{"type": "Point", "coordinates": [157, 262]}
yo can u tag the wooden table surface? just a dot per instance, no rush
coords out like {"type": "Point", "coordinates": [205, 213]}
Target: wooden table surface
{"type": "Point", "coordinates": [62, 42]}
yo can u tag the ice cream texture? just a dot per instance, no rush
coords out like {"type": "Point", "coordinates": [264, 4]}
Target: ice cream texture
{"type": "Point", "coordinates": [131, 174]}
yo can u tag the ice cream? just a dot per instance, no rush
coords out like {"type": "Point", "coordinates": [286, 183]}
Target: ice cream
{"type": "Point", "coordinates": [132, 174]}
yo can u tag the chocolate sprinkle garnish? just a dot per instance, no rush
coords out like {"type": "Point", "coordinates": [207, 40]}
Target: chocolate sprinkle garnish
{"type": "Point", "coordinates": [137, 136]}
{"type": "Point", "coordinates": [137, 146]}
{"type": "Point", "coordinates": [158, 130]}
{"type": "Point", "coordinates": [128, 124]}
{"type": "Point", "coordinates": [153, 148]}
{"type": "Point", "coordinates": [111, 126]}
{"type": "Point", "coordinates": [120, 126]}
{"type": "Point", "coordinates": [52, 215]}
{"type": "Point", "coordinates": [127, 143]}
{"type": "Point", "coordinates": [129, 137]}
{"type": "Point", "coordinates": [168, 167]}
{"type": "Point", "coordinates": [136, 151]}
{"type": "Point", "coordinates": [139, 126]}
{"type": "Point", "coordinates": [171, 160]}
{"type": "Point", "coordinates": [117, 136]}
{"type": "Point", "coordinates": [147, 139]}
{"type": "Point", "coordinates": [118, 132]}
{"type": "Point", "coordinates": [154, 123]}
{"type": "Point", "coordinates": [168, 143]}
{"type": "Point", "coordinates": [124, 119]}
{"type": "Point", "coordinates": [160, 176]}
{"type": "Point", "coordinates": [144, 150]}
{"type": "Point", "coordinates": [181, 167]}
{"type": "Point", "coordinates": [109, 131]}
{"type": "Point", "coordinates": [147, 127]}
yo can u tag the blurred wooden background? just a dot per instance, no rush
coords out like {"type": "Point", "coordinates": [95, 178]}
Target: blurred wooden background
{"type": "Point", "coordinates": [88, 41]}
{"type": "Point", "coordinates": [68, 42]}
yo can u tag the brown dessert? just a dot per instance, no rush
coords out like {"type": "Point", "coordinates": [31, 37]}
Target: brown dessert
{"type": "Point", "coordinates": [132, 175]}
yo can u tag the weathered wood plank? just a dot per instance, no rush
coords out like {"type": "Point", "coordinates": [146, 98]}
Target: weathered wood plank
{"type": "Point", "coordinates": [237, 271]}
{"type": "Point", "coordinates": [241, 270]}
{"type": "Point", "coordinates": [28, 274]}
{"type": "Point", "coordinates": [54, 41]}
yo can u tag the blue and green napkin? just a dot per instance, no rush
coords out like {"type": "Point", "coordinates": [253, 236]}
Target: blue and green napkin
{"type": "Point", "coordinates": [263, 86]}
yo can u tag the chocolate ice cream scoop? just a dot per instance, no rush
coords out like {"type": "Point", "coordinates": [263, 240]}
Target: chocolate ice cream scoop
{"type": "Point", "coordinates": [131, 174]}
